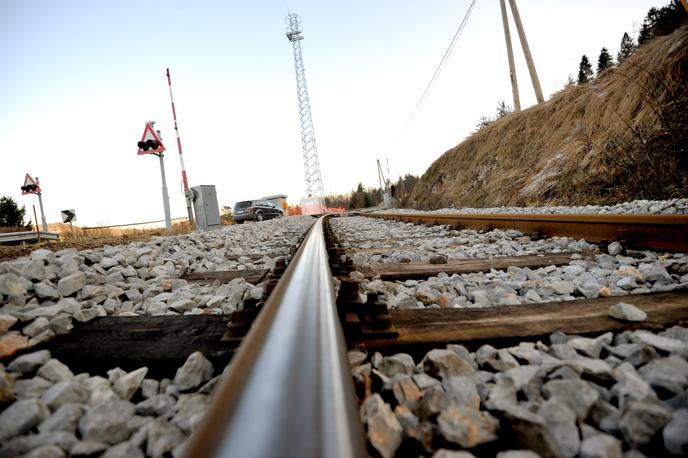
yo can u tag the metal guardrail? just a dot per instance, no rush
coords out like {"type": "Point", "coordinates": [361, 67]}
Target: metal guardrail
{"type": "Point", "coordinates": [289, 390]}
{"type": "Point", "coordinates": [90, 228]}
{"type": "Point", "coordinates": [27, 236]}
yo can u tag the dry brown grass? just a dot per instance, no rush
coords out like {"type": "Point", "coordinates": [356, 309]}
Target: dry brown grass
{"type": "Point", "coordinates": [92, 238]}
{"type": "Point", "coordinates": [621, 137]}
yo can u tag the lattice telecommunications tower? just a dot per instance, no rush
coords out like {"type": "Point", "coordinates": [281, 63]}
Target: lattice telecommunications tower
{"type": "Point", "coordinates": [314, 187]}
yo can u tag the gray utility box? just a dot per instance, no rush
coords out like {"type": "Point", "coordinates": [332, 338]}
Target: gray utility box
{"type": "Point", "coordinates": [206, 208]}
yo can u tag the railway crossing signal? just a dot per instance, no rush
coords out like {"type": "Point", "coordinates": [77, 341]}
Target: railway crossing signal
{"type": "Point", "coordinates": [32, 186]}
{"type": "Point", "coordinates": [150, 141]}
{"type": "Point", "coordinates": [149, 144]}
{"type": "Point", "coordinates": [152, 144]}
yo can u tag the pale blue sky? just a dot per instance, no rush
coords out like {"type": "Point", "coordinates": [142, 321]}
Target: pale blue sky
{"type": "Point", "coordinates": [79, 80]}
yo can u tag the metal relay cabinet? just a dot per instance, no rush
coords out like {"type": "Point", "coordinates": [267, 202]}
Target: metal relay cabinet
{"type": "Point", "coordinates": [205, 207]}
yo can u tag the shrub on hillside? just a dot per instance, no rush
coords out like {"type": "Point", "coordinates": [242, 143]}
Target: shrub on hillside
{"type": "Point", "coordinates": [11, 216]}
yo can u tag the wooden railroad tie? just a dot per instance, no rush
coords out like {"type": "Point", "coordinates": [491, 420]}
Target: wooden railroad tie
{"type": "Point", "coordinates": [528, 321]}
{"type": "Point", "coordinates": [133, 341]}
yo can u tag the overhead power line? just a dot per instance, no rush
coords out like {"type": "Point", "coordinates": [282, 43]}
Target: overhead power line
{"type": "Point", "coordinates": [439, 68]}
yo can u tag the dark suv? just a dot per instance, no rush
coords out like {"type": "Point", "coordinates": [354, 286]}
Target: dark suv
{"type": "Point", "coordinates": [256, 210]}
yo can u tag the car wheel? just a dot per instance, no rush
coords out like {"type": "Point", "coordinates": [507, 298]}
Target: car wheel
{"type": "Point", "coordinates": [259, 216]}
{"type": "Point", "coordinates": [280, 214]}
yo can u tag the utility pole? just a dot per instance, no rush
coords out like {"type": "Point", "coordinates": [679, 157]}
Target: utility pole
{"type": "Point", "coordinates": [510, 54]}
{"type": "Point", "coordinates": [526, 52]}
{"type": "Point", "coordinates": [311, 165]}
{"type": "Point", "coordinates": [187, 192]}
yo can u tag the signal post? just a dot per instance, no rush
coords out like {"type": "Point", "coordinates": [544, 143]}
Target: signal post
{"type": "Point", "coordinates": [32, 186]}
{"type": "Point", "coordinates": [152, 144]}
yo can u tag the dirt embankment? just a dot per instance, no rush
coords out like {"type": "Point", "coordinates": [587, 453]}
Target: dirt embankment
{"type": "Point", "coordinates": [621, 137]}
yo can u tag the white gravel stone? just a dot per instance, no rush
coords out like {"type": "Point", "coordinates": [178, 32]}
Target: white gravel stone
{"type": "Point", "coordinates": [107, 422]}
{"type": "Point", "coordinates": [29, 362]}
{"type": "Point", "coordinates": [383, 429]}
{"type": "Point", "coordinates": [614, 248]}
{"type": "Point", "coordinates": [54, 371]}
{"type": "Point", "coordinates": [20, 417]}
{"type": "Point", "coordinates": [6, 322]}
{"type": "Point", "coordinates": [65, 418]}
{"type": "Point", "coordinates": [196, 370]}
{"type": "Point", "coordinates": [71, 283]}
{"type": "Point", "coordinates": [13, 285]}
{"type": "Point", "coordinates": [66, 392]}
{"type": "Point", "coordinates": [126, 385]}
{"type": "Point", "coordinates": [626, 312]}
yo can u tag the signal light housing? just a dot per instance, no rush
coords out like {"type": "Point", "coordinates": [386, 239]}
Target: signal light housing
{"type": "Point", "coordinates": [148, 144]}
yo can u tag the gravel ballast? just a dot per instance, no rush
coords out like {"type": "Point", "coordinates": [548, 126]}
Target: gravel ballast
{"type": "Point", "coordinates": [42, 295]}
{"type": "Point", "coordinates": [575, 396]}
{"type": "Point", "coordinates": [124, 414]}
{"type": "Point", "coordinates": [591, 272]}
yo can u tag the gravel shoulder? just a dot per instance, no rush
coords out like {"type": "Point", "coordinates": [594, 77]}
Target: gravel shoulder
{"type": "Point", "coordinates": [41, 295]}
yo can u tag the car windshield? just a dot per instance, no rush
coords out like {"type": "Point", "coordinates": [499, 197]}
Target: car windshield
{"type": "Point", "coordinates": [244, 204]}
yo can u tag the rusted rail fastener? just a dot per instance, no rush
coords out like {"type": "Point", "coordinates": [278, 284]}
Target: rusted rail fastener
{"type": "Point", "coordinates": [654, 232]}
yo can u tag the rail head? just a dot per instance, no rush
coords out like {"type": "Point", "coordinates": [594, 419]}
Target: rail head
{"type": "Point", "coordinates": [288, 390]}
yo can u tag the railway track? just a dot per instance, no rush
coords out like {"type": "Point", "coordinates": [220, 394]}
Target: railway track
{"type": "Point", "coordinates": [291, 375]}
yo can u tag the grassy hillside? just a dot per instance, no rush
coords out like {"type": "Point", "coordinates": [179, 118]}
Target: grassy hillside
{"type": "Point", "coordinates": [621, 137]}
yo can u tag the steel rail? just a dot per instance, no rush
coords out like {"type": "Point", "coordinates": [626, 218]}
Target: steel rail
{"type": "Point", "coordinates": [288, 391]}
{"type": "Point", "coordinates": [654, 232]}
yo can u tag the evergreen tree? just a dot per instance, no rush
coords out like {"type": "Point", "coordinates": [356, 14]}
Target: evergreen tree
{"type": "Point", "coordinates": [662, 21]}
{"type": "Point", "coordinates": [626, 49]}
{"type": "Point", "coordinates": [646, 30]}
{"type": "Point", "coordinates": [604, 61]}
{"type": "Point", "coordinates": [571, 81]}
{"type": "Point", "coordinates": [367, 200]}
{"type": "Point", "coordinates": [11, 215]}
{"type": "Point", "coordinates": [482, 123]}
{"type": "Point", "coordinates": [503, 109]}
{"type": "Point", "coordinates": [358, 197]}
{"type": "Point", "coordinates": [584, 70]}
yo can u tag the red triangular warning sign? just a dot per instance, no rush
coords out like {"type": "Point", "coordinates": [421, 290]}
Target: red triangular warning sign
{"type": "Point", "coordinates": [148, 140]}
{"type": "Point", "coordinates": [30, 186]}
